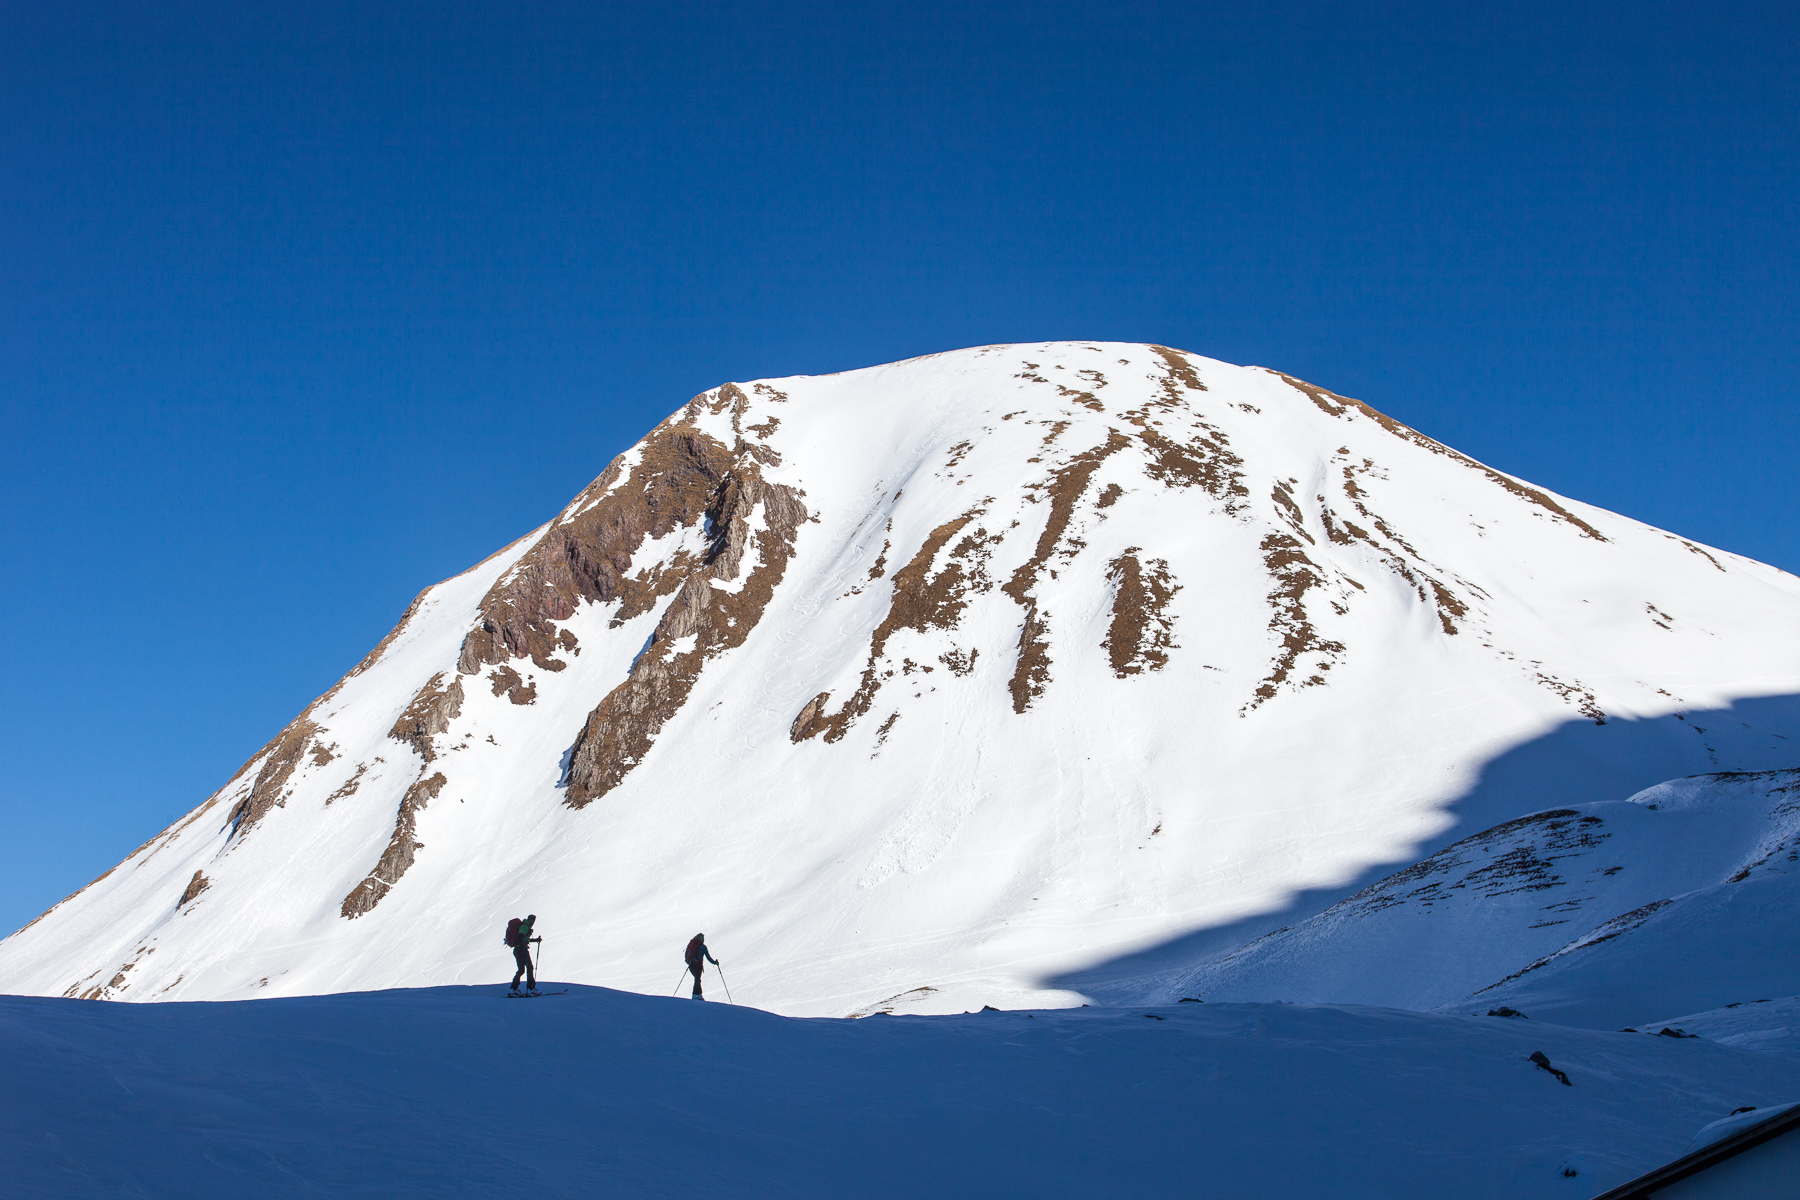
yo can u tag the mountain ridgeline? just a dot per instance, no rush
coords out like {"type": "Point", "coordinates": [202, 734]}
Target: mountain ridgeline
{"type": "Point", "coordinates": [934, 680]}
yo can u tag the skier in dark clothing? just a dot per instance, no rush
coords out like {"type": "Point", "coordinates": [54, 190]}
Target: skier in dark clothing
{"type": "Point", "coordinates": [697, 958]}
{"type": "Point", "coordinates": [520, 940]}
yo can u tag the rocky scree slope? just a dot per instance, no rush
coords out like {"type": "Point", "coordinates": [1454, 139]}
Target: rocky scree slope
{"type": "Point", "coordinates": [917, 684]}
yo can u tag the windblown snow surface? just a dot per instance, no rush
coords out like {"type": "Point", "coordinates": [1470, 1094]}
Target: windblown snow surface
{"type": "Point", "coordinates": [1015, 676]}
{"type": "Point", "coordinates": [457, 1091]}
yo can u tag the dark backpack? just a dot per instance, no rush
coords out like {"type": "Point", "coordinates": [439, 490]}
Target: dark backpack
{"type": "Point", "coordinates": [512, 932]}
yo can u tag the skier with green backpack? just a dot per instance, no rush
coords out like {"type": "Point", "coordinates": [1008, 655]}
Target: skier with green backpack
{"type": "Point", "coordinates": [518, 936]}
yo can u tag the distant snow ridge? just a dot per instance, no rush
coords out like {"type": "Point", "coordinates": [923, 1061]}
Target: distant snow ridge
{"type": "Point", "coordinates": [916, 685]}
{"type": "Point", "coordinates": [1676, 900]}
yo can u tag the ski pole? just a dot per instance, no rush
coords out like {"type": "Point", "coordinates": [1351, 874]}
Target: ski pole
{"type": "Point", "coordinates": [726, 982]}
{"type": "Point", "coordinates": [537, 960]}
{"type": "Point", "coordinates": [678, 980]}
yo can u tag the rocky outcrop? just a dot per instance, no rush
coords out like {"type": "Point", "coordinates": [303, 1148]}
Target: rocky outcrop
{"type": "Point", "coordinates": [701, 622]}
{"type": "Point", "coordinates": [429, 714]}
{"type": "Point", "coordinates": [199, 883]}
{"type": "Point", "coordinates": [586, 554]}
{"type": "Point", "coordinates": [279, 758]}
{"type": "Point", "coordinates": [1294, 575]}
{"type": "Point", "coordinates": [807, 721]}
{"type": "Point", "coordinates": [1141, 632]}
{"type": "Point", "coordinates": [401, 849]}
{"type": "Point", "coordinates": [921, 600]}
{"type": "Point", "coordinates": [507, 682]}
{"type": "Point", "coordinates": [1067, 486]}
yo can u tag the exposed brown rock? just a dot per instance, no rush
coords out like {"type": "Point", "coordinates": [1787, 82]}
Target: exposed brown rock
{"type": "Point", "coordinates": [199, 883]}
{"type": "Point", "coordinates": [1450, 608]}
{"type": "Point", "coordinates": [1703, 554]}
{"type": "Point", "coordinates": [1031, 673]}
{"type": "Point", "coordinates": [960, 662]}
{"type": "Point", "coordinates": [1180, 371]}
{"type": "Point", "coordinates": [507, 682]}
{"type": "Point", "coordinates": [1407, 563]}
{"type": "Point", "coordinates": [429, 714]}
{"type": "Point", "coordinates": [622, 728]}
{"type": "Point", "coordinates": [401, 849]}
{"type": "Point", "coordinates": [728, 516]}
{"type": "Point", "coordinates": [586, 557]}
{"type": "Point", "coordinates": [1294, 575]}
{"type": "Point", "coordinates": [279, 759]}
{"type": "Point", "coordinates": [349, 786]}
{"type": "Point", "coordinates": [1289, 510]}
{"type": "Point", "coordinates": [276, 761]}
{"type": "Point", "coordinates": [1202, 462]}
{"type": "Point", "coordinates": [1337, 406]}
{"type": "Point", "coordinates": [921, 601]}
{"type": "Point", "coordinates": [1205, 460]}
{"type": "Point", "coordinates": [113, 986]}
{"type": "Point", "coordinates": [1068, 484]}
{"type": "Point", "coordinates": [1141, 633]}
{"type": "Point", "coordinates": [1581, 698]}
{"type": "Point", "coordinates": [806, 721]}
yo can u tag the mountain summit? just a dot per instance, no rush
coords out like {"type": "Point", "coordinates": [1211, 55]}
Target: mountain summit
{"type": "Point", "coordinates": [914, 686]}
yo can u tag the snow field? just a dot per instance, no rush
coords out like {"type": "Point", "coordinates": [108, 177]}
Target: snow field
{"type": "Point", "coordinates": [457, 1091]}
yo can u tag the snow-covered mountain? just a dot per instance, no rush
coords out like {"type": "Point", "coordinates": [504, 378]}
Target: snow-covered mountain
{"type": "Point", "coordinates": [1680, 899]}
{"type": "Point", "coordinates": [917, 685]}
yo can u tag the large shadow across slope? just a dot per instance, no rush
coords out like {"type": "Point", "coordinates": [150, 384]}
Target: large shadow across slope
{"type": "Point", "coordinates": [1578, 763]}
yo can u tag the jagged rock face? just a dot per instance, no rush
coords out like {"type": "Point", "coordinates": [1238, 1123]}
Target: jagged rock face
{"type": "Point", "coordinates": [925, 681]}
{"type": "Point", "coordinates": [621, 729]}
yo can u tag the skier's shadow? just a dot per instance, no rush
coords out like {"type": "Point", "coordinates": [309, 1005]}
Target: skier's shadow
{"type": "Point", "coordinates": [1577, 763]}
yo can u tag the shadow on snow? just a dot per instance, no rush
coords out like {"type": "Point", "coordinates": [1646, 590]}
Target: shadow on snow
{"type": "Point", "coordinates": [1579, 762]}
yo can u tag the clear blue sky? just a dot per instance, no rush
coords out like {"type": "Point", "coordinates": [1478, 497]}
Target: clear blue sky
{"type": "Point", "coordinates": [306, 306]}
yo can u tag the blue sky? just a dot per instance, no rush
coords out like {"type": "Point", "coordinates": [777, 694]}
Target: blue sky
{"type": "Point", "coordinates": [305, 307]}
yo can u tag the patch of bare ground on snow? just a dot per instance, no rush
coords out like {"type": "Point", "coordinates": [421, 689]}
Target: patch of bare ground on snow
{"type": "Point", "coordinates": [1142, 632]}
{"type": "Point", "coordinates": [401, 848]}
{"type": "Point", "coordinates": [921, 601]}
{"type": "Point", "coordinates": [621, 729]}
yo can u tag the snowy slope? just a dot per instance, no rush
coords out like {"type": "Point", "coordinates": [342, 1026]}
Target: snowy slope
{"type": "Point", "coordinates": [1767, 1023]}
{"type": "Point", "coordinates": [923, 683]}
{"type": "Point", "coordinates": [457, 1092]}
{"type": "Point", "coordinates": [1681, 898]}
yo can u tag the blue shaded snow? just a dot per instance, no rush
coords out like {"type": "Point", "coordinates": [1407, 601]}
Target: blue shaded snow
{"type": "Point", "coordinates": [458, 1091]}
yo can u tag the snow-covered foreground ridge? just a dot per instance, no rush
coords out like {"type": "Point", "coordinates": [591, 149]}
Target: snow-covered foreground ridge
{"type": "Point", "coordinates": [459, 1092]}
{"type": "Point", "coordinates": [929, 681]}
